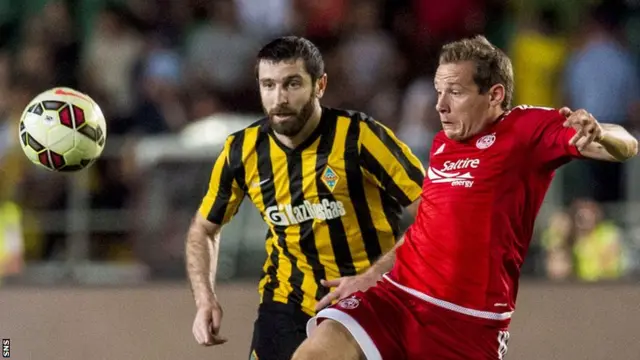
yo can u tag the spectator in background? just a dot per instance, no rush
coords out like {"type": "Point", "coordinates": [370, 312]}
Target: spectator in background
{"type": "Point", "coordinates": [165, 18]}
{"type": "Point", "coordinates": [219, 54]}
{"type": "Point", "coordinates": [109, 61]}
{"type": "Point", "coordinates": [370, 62]}
{"type": "Point", "coordinates": [321, 20]}
{"type": "Point", "coordinates": [601, 76]}
{"type": "Point", "coordinates": [11, 238]}
{"type": "Point", "coordinates": [160, 108]}
{"type": "Point", "coordinates": [442, 21]}
{"type": "Point", "coordinates": [538, 50]}
{"type": "Point", "coordinates": [265, 19]}
{"type": "Point", "coordinates": [419, 120]}
{"type": "Point", "coordinates": [597, 245]}
{"type": "Point", "coordinates": [34, 59]}
{"type": "Point", "coordinates": [63, 42]}
{"type": "Point", "coordinates": [581, 244]}
{"type": "Point", "coordinates": [556, 242]}
{"type": "Point", "coordinates": [203, 102]}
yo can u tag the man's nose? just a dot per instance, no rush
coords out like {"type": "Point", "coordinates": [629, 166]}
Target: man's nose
{"type": "Point", "coordinates": [442, 107]}
{"type": "Point", "coordinates": [282, 97]}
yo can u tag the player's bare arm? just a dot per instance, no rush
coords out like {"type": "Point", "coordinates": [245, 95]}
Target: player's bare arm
{"type": "Point", "coordinates": [412, 209]}
{"type": "Point", "coordinates": [598, 141]}
{"type": "Point", "coordinates": [350, 284]}
{"type": "Point", "coordinates": [202, 247]}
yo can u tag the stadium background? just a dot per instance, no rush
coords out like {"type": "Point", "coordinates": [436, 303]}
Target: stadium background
{"type": "Point", "coordinates": [91, 264]}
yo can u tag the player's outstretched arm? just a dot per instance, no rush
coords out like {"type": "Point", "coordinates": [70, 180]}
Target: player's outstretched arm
{"type": "Point", "coordinates": [598, 141]}
{"type": "Point", "coordinates": [385, 263]}
{"type": "Point", "coordinates": [202, 247]}
{"type": "Point", "coordinates": [347, 285]}
{"type": "Point", "coordinates": [615, 144]}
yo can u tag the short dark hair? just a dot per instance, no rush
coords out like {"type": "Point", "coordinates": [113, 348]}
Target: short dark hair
{"type": "Point", "coordinates": [492, 64]}
{"type": "Point", "coordinates": [292, 48]}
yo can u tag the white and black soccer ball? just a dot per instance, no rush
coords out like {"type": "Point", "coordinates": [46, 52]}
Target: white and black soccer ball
{"type": "Point", "coordinates": [63, 130]}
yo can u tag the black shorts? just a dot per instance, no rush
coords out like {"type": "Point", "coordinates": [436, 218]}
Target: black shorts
{"type": "Point", "coordinates": [278, 331]}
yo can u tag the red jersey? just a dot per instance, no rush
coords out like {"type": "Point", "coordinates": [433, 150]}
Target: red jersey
{"type": "Point", "coordinates": [479, 203]}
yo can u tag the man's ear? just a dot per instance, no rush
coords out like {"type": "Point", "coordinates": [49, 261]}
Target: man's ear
{"type": "Point", "coordinates": [321, 85]}
{"type": "Point", "coordinates": [496, 95]}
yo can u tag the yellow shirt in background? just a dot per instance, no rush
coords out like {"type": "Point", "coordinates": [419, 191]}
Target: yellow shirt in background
{"type": "Point", "coordinates": [538, 62]}
{"type": "Point", "coordinates": [599, 254]}
{"type": "Point", "coordinates": [11, 241]}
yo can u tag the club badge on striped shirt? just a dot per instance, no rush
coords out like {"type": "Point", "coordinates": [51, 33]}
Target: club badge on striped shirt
{"type": "Point", "coordinates": [330, 178]}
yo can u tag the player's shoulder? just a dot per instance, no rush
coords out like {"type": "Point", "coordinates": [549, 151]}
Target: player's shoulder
{"type": "Point", "coordinates": [528, 115]}
{"type": "Point", "coordinates": [360, 120]}
{"type": "Point", "coordinates": [532, 111]}
{"type": "Point", "coordinates": [351, 115]}
{"type": "Point", "coordinates": [366, 121]}
{"type": "Point", "coordinates": [234, 141]}
{"type": "Point", "coordinates": [257, 126]}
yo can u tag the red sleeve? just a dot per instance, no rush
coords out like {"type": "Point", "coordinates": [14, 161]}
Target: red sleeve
{"type": "Point", "coordinates": [549, 139]}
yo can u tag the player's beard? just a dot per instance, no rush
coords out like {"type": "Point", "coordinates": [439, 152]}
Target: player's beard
{"type": "Point", "coordinates": [293, 125]}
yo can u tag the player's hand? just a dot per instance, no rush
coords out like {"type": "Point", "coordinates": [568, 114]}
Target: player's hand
{"type": "Point", "coordinates": [345, 286]}
{"type": "Point", "coordinates": [206, 326]}
{"type": "Point", "coordinates": [587, 127]}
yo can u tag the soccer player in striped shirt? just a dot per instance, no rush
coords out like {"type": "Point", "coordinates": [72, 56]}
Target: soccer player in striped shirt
{"type": "Point", "coordinates": [331, 184]}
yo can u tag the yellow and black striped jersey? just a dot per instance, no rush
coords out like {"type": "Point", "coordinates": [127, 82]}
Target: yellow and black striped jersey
{"type": "Point", "coordinates": [333, 204]}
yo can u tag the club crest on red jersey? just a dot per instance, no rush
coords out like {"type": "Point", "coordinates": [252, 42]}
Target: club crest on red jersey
{"type": "Point", "coordinates": [349, 303]}
{"type": "Point", "coordinates": [486, 141]}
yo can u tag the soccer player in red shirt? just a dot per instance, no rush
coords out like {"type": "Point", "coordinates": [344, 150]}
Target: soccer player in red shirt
{"type": "Point", "coordinates": [448, 290]}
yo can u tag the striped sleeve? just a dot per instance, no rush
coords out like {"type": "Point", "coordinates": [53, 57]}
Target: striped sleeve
{"type": "Point", "coordinates": [389, 162]}
{"type": "Point", "coordinates": [224, 195]}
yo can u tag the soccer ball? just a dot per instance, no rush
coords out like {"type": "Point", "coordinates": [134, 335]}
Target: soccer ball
{"type": "Point", "coordinates": [62, 130]}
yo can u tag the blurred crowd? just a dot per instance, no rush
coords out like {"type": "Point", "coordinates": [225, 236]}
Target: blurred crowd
{"type": "Point", "coordinates": [156, 66]}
